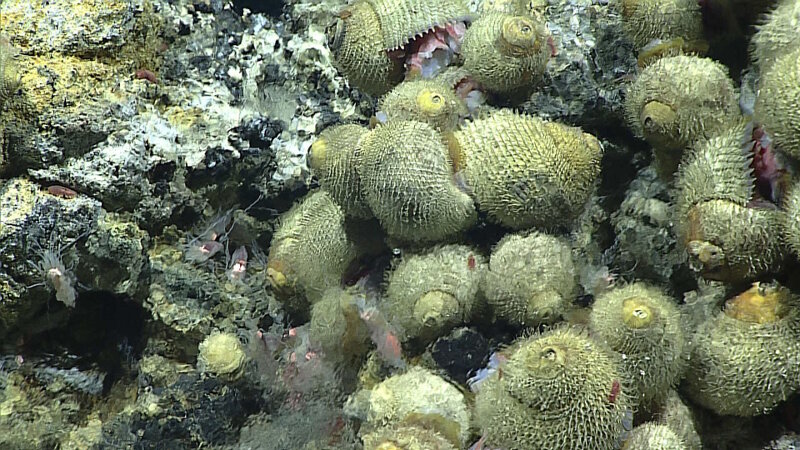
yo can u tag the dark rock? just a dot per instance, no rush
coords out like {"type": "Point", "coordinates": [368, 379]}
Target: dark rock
{"type": "Point", "coordinates": [260, 131]}
{"type": "Point", "coordinates": [194, 411]}
{"type": "Point", "coordinates": [461, 353]}
{"type": "Point", "coordinates": [271, 8]}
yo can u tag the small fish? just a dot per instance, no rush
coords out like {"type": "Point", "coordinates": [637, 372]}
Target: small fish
{"type": "Point", "coordinates": [386, 341]}
{"type": "Point", "coordinates": [238, 266]}
{"type": "Point", "coordinates": [383, 336]}
{"type": "Point", "coordinates": [272, 342]}
{"type": "Point", "coordinates": [61, 191]}
{"type": "Point", "coordinates": [202, 251]}
{"type": "Point", "coordinates": [219, 226]}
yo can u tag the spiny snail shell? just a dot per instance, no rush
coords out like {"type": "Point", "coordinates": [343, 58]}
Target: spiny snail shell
{"type": "Point", "coordinates": [674, 413]}
{"type": "Point", "coordinates": [531, 279]}
{"type": "Point", "coordinates": [403, 398]}
{"type": "Point", "coordinates": [336, 327]}
{"type": "Point", "coordinates": [333, 159]}
{"type": "Point", "coordinates": [407, 177]}
{"type": "Point", "coordinates": [715, 169]}
{"type": "Point", "coordinates": [406, 437]}
{"type": "Point", "coordinates": [791, 227]}
{"type": "Point", "coordinates": [402, 20]}
{"type": "Point", "coordinates": [368, 30]}
{"type": "Point", "coordinates": [517, 7]}
{"type": "Point", "coordinates": [429, 293]}
{"type": "Point", "coordinates": [651, 436]}
{"type": "Point", "coordinates": [744, 361]}
{"type": "Point", "coordinates": [642, 323]}
{"type": "Point", "coordinates": [223, 355]}
{"type": "Point", "coordinates": [778, 34]}
{"type": "Point", "coordinates": [504, 52]}
{"type": "Point", "coordinates": [431, 101]}
{"type": "Point", "coordinates": [663, 20]}
{"type": "Point", "coordinates": [525, 172]}
{"type": "Point", "coordinates": [558, 390]}
{"type": "Point", "coordinates": [310, 250]}
{"type": "Point", "coordinates": [359, 51]}
{"type": "Point", "coordinates": [777, 107]}
{"type": "Point", "coordinates": [726, 239]}
{"type": "Point", "coordinates": [678, 100]}
{"type": "Point", "coordinates": [730, 242]}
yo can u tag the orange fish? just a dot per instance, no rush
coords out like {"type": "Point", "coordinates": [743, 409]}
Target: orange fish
{"type": "Point", "coordinates": [386, 341]}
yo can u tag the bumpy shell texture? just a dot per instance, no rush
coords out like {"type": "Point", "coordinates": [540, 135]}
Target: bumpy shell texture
{"type": "Point", "coordinates": [744, 361]}
{"type": "Point", "coordinates": [555, 392]}
{"type": "Point", "coordinates": [333, 159]}
{"type": "Point", "coordinates": [406, 438]}
{"type": "Point", "coordinates": [356, 41]}
{"type": "Point", "coordinates": [642, 323]}
{"type": "Point", "coordinates": [678, 100]}
{"type": "Point", "coordinates": [725, 238]}
{"type": "Point", "coordinates": [777, 35]}
{"type": "Point", "coordinates": [715, 169]}
{"type": "Point", "coordinates": [406, 173]}
{"type": "Point", "coordinates": [777, 107]}
{"type": "Point", "coordinates": [336, 327]}
{"type": "Point", "coordinates": [310, 250]}
{"type": "Point", "coordinates": [525, 172]}
{"type": "Point", "coordinates": [531, 279]}
{"type": "Point", "coordinates": [429, 293]}
{"type": "Point", "coordinates": [504, 52]}
{"type": "Point", "coordinates": [403, 398]}
{"type": "Point", "coordinates": [402, 20]}
{"type": "Point", "coordinates": [791, 227]}
{"type": "Point", "coordinates": [652, 436]}
{"type": "Point", "coordinates": [729, 242]}
{"type": "Point", "coordinates": [431, 101]}
{"type": "Point", "coordinates": [664, 20]}
{"type": "Point", "coordinates": [679, 418]}
{"type": "Point", "coordinates": [223, 355]}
